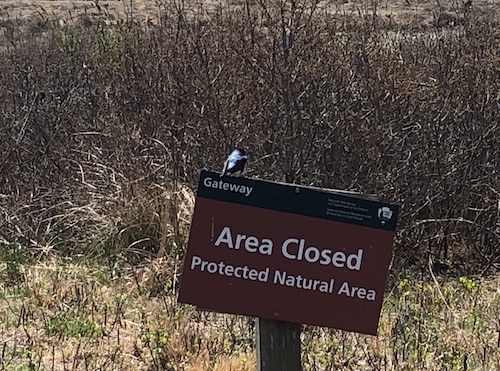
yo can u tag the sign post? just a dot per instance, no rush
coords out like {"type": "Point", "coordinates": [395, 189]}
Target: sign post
{"type": "Point", "coordinates": [288, 255]}
{"type": "Point", "coordinates": [278, 346]}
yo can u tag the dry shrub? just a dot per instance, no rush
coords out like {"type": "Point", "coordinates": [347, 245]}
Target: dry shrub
{"type": "Point", "coordinates": [102, 123]}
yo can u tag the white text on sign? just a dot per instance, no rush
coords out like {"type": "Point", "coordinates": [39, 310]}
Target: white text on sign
{"type": "Point", "coordinates": [282, 278]}
{"type": "Point", "coordinates": [292, 248]}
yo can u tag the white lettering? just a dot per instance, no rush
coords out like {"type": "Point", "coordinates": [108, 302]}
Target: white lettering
{"type": "Point", "coordinates": [266, 248]}
{"type": "Point", "coordinates": [229, 270]}
{"type": "Point", "coordinates": [354, 260]}
{"type": "Point", "coordinates": [263, 275]}
{"type": "Point", "coordinates": [344, 289]}
{"type": "Point", "coordinates": [315, 253]}
{"type": "Point", "coordinates": [324, 286]}
{"type": "Point", "coordinates": [249, 243]}
{"type": "Point", "coordinates": [279, 277]}
{"type": "Point", "coordinates": [236, 274]}
{"type": "Point", "coordinates": [212, 267]}
{"type": "Point", "coordinates": [326, 257]}
{"type": "Point", "coordinates": [284, 248]}
{"type": "Point", "coordinates": [207, 182]}
{"type": "Point", "coordinates": [358, 292]}
{"type": "Point", "coordinates": [253, 274]}
{"type": "Point", "coordinates": [225, 237]}
{"type": "Point", "coordinates": [361, 293]}
{"type": "Point", "coordinates": [294, 249]}
{"type": "Point", "coordinates": [223, 269]}
{"type": "Point", "coordinates": [195, 262]}
{"type": "Point", "coordinates": [338, 259]}
{"type": "Point", "coordinates": [239, 239]}
{"type": "Point", "coordinates": [227, 186]}
{"type": "Point", "coordinates": [300, 282]}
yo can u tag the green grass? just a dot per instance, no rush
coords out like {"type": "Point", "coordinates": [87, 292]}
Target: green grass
{"type": "Point", "coordinates": [77, 327]}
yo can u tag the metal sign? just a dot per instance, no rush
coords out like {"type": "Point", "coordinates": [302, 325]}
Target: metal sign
{"type": "Point", "coordinates": [280, 251]}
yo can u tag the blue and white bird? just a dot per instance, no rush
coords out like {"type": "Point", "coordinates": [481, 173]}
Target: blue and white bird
{"type": "Point", "coordinates": [235, 163]}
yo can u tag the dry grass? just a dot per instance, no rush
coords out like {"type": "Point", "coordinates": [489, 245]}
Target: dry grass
{"type": "Point", "coordinates": [69, 315]}
{"type": "Point", "coordinates": [105, 123]}
{"type": "Point", "coordinates": [149, 10]}
{"type": "Point", "coordinates": [107, 312]}
{"type": "Point", "coordinates": [84, 316]}
{"type": "Point", "coordinates": [99, 119]}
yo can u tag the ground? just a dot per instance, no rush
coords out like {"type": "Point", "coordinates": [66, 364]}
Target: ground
{"type": "Point", "coordinates": [148, 10]}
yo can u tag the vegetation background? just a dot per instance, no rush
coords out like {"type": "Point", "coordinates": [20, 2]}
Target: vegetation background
{"type": "Point", "coordinates": [107, 117]}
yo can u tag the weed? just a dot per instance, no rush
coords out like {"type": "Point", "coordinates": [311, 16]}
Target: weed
{"type": "Point", "coordinates": [119, 321]}
{"type": "Point", "coordinates": [13, 257]}
{"type": "Point", "coordinates": [64, 325]}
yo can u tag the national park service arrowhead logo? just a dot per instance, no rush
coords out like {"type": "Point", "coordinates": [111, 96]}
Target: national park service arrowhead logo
{"type": "Point", "coordinates": [384, 214]}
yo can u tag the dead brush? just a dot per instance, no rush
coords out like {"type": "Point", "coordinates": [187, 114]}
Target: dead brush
{"type": "Point", "coordinates": [321, 98]}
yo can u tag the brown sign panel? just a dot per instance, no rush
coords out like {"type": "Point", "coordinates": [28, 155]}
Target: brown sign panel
{"type": "Point", "coordinates": [296, 254]}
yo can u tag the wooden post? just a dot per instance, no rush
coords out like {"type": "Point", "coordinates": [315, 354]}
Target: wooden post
{"type": "Point", "coordinates": [278, 346]}
{"type": "Point", "coordinates": [278, 342]}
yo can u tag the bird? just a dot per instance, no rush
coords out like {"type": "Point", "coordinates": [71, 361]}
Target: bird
{"type": "Point", "coordinates": [235, 163]}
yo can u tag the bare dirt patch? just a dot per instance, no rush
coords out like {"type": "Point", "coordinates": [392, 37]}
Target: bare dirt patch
{"type": "Point", "coordinates": [65, 9]}
{"type": "Point", "coordinates": [415, 11]}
